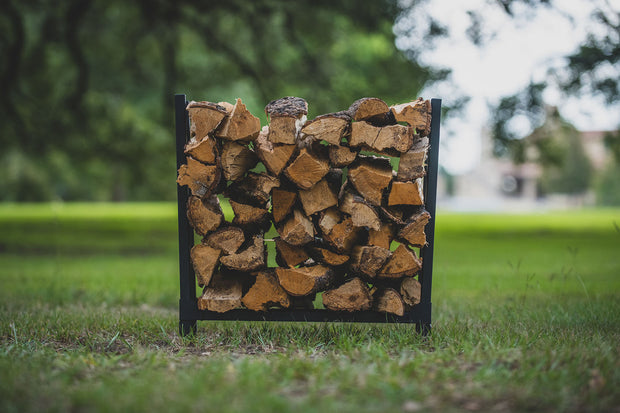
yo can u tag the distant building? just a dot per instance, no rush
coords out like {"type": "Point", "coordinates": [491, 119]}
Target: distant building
{"type": "Point", "coordinates": [499, 184]}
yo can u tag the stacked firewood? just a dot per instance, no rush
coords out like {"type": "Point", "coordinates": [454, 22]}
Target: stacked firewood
{"type": "Point", "coordinates": [347, 222]}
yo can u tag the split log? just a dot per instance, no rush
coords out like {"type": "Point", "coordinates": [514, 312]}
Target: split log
{"type": "Point", "coordinates": [307, 169]}
{"type": "Point", "coordinates": [254, 189]}
{"type": "Point", "coordinates": [387, 300]}
{"type": "Point", "coordinates": [236, 160]}
{"type": "Point", "coordinates": [250, 259]}
{"type": "Point", "coordinates": [265, 293]}
{"type": "Point", "coordinates": [204, 151]}
{"type": "Point", "coordinates": [370, 178]}
{"type": "Point", "coordinates": [327, 257]}
{"type": "Point", "coordinates": [330, 127]}
{"type": "Point", "coordinates": [305, 280]}
{"type": "Point", "coordinates": [329, 218]}
{"type": "Point", "coordinates": [397, 137]}
{"type": "Point", "coordinates": [371, 109]}
{"type": "Point", "coordinates": [412, 164]}
{"type": "Point", "coordinates": [297, 230]}
{"type": "Point", "coordinates": [275, 157]}
{"type": "Point", "coordinates": [288, 255]}
{"type": "Point", "coordinates": [406, 193]}
{"type": "Point", "coordinates": [286, 116]}
{"type": "Point", "coordinates": [416, 114]}
{"type": "Point", "coordinates": [205, 260]}
{"type": "Point", "coordinates": [383, 236]}
{"type": "Point", "coordinates": [413, 231]}
{"type": "Point", "coordinates": [341, 156]}
{"type": "Point", "coordinates": [403, 262]}
{"type": "Point", "coordinates": [200, 178]}
{"type": "Point", "coordinates": [204, 215]}
{"type": "Point", "coordinates": [248, 215]}
{"type": "Point", "coordinates": [282, 203]}
{"type": "Point", "coordinates": [362, 214]}
{"type": "Point", "coordinates": [368, 260]}
{"type": "Point", "coordinates": [411, 290]}
{"type": "Point", "coordinates": [227, 239]}
{"type": "Point", "coordinates": [343, 236]}
{"type": "Point", "coordinates": [221, 296]}
{"type": "Point", "coordinates": [353, 295]}
{"type": "Point", "coordinates": [240, 125]}
{"type": "Point", "coordinates": [317, 198]}
{"type": "Point", "coordinates": [204, 118]}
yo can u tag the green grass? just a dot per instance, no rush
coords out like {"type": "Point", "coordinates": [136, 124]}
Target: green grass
{"type": "Point", "coordinates": [526, 317]}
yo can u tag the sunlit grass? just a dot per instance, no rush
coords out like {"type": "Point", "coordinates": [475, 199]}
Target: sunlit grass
{"type": "Point", "coordinates": [526, 317]}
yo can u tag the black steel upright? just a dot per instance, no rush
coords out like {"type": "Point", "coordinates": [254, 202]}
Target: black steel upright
{"type": "Point", "coordinates": [187, 322]}
{"type": "Point", "coordinates": [189, 313]}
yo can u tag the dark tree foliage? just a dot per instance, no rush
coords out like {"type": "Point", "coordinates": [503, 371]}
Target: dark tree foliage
{"type": "Point", "coordinates": [87, 85]}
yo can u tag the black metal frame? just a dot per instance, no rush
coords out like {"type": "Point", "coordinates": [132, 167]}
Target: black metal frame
{"type": "Point", "coordinates": [189, 313]}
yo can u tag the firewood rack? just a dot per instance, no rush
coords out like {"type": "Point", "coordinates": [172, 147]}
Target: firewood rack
{"type": "Point", "coordinates": [189, 314]}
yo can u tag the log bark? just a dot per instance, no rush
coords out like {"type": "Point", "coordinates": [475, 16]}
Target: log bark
{"type": "Point", "coordinates": [353, 295]}
{"type": "Point", "coordinates": [288, 255]}
{"type": "Point", "coordinates": [250, 259]}
{"type": "Point", "coordinates": [286, 116]}
{"type": "Point", "coordinates": [330, 127]}
{"type": "Point", "coordinates": [227, 239]}
{"type": "Point", "coordinates": [387, 300]}
{"type": "Point", "coordinates": [411, 290]}
{"type": "Point", "coordinates": [373, 109]}
{"type": "Point", "coordinates": [297, 230]}
{"type": "Point", "coordinates": [379, 139]}
{"type": "Point", "coordinates": [403, 262]}
{"type": "Point", "coordinates": [204, 215]}
{"type": "Point", "coordinates": [254, 189]}
{"type": "Point", "coordinates": [406, 193]}
{"type": "Point", "coordinates": [266, 293]}
{"type": "Point", "coordinates": [371, 177]}
{"type": "Point", "coordinates": [343, 236]}
{"type": "Point", "coordinates": [362, 214]}
{"type": "Point", "coordinates": [204, 118]}
{"type": "Point", "coordinates": [307, 169]}
{"type": "Point", "coordinates": [204, 151]}
{"type": "Point", "coordinates": [240, 125]}
{"type": "Point", "coordinates": [413, 231]}
{"type": "Point", "coordinates": [200, 178]}
{"type": "Point", "coordinates": [341, 156]}
{"type": "Point", "coordinates": [205, 260]}
{"type": "Point", "coordinates": [221, 296]}
{"type": "Point", "coordinates": [248, 215]}
{"type": "Point", "coordinates": [282, 202]}
{"type": "Point", "coordinates": [236, 160]}
{"type": "Point", "coordinates": [412, 164]}
{"type": "Point", "coordinates": [327, 257]}
{"type": "Point", "coordinates": [416, 114]}
{"type": "Point", "coordinates": [275, 157]}
{"type": "Point", "coordinates": [383, 236]}
{"type": "Point", "coordinates": [305, 280]}
{"type": "Point", "coordinates": [317, 198]}
{"type": "Point", "coordinates": [368, 260]}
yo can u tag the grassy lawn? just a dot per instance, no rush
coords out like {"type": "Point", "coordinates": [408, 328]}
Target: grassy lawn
{"type": "Point", "coordinates": [526, 310]}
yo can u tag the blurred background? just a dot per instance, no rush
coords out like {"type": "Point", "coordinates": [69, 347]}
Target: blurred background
{"type": "Point", "coordinates": [530, 88]}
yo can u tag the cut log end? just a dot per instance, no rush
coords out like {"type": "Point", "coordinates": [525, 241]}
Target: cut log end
{"type": "Point", "coordinates": [388, 300]}
{"type": "Point", "coordinates": [240, 125]}
{"type": "Point", "coordinates": [305, 280]}
{"type": "Point", "coordinates": [221, 296]}
{"type": "Point", "coordinates": [307, 169]}
{"type": "Point", "coordinates": [411, 291]}
{"type": "Point", "coordinates": [204, 260]}
{"type": "Point", "coordinates": [266, 293]}
{"type": "Point", "coordinates": [403, 262]}
{"type": "Point", "coordinates": [251, 258]}
{"type": "Point", "coordinates": [368, 260]}
{"type": "Point", "coordinates": [353, 295]}
{"type": "Point", "coordinates": [227, 239]}
{"type": "Point", "coordinates": [204, 215]}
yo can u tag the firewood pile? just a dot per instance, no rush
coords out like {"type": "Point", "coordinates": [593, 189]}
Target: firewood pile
{"type": "Point", "coordinates": [348, 223]}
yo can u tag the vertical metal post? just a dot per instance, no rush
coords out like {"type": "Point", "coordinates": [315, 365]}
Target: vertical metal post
{"type": "Point", "coordinates": [430, 197]}
{"type": "Point", "coordinates": [187, 325]}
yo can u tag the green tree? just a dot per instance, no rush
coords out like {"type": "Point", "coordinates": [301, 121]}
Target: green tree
{"type": "Point", "coordinates": [86, 108]}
